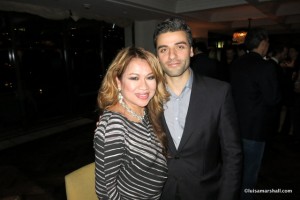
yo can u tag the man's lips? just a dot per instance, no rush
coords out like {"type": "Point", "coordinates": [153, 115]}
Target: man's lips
{"type": "Point", "coordinates": [173, 64]}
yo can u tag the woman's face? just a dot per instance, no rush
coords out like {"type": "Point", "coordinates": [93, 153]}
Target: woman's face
{"type": "Point", "coordinates": [137, 84]}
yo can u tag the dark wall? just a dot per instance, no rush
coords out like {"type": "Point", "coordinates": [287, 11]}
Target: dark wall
{"type": "Point", "coordinates": [51, 69]}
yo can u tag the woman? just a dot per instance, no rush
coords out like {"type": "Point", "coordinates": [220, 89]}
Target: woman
{"type": "Point", "coordinates": [130, 145]}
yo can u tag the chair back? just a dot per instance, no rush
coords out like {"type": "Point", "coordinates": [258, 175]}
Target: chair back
{"type": "Point", "coordinates": [80, 184]}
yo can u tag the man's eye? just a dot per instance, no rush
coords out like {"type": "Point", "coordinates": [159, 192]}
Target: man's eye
{"type": "Point", "coordinates": [181, 47]}
{"type": "Point", "coordinates": [162, 50]}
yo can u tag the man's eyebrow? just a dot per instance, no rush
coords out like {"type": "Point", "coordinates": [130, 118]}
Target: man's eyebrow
{"type": "Point", "coordinates": [161, 46]}
{"type": "Point", "coordinates": [177, 43]}
{"type": "Point", "coordinates": [182, 42]}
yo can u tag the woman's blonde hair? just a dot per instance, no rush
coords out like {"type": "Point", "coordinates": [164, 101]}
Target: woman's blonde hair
{"type": "Point", "coordinates": [108, 92]}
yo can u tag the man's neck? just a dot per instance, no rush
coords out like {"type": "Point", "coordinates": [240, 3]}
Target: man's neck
{"type": "Point", "coordinates": [176, 84]}
{"type": "Point", "coordinates": [262, 48]}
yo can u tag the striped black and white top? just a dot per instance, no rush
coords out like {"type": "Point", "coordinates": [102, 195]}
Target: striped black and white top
{"type": "Point", "coordinates": [128, 158]}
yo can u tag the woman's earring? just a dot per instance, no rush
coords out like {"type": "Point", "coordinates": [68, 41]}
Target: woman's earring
{"type": "Point", "coordinates": [120, 96]}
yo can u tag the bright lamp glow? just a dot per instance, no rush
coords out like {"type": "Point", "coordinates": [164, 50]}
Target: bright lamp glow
{"type": "Point", "coordinates": [239, 37]}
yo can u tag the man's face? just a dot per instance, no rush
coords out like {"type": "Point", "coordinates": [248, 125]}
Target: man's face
{"type": "Point", "coordinates": [283, 54]}
{"type": "Point", "coordinates": [174, 52]}
{"type": "Point", "coordinates": [230, 54]}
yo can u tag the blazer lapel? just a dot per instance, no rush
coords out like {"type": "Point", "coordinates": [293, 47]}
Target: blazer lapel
{"type": "Point", "coordinates": [171, 145]}
{"type": "Point", "coordinates": [191, 117]}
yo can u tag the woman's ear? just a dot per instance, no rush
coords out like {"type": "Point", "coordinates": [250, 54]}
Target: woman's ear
{"type": "Point", "coordinates": [118, 83]}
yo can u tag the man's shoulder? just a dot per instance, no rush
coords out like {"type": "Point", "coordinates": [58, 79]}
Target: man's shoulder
{"type": "Point", "coordinates": [210, 80]}
{"type": "Point", "coordinates": [251, 60]}
{"type": "Point", "coordinates": [210, 83]}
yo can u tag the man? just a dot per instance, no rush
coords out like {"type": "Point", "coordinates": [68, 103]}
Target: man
{"type": "Point", "coordinates": [229, 55]}
{"type": "Point", "coordinates": [256, 91]}
{"type": "Point", "coordinates": [205, 158]}
{"type": "Point", "coordinates": [201, 63]}
{"type": "Point", "coordinates": [292, 116]}
{"type": "Point", "coordinates": [278, 55]}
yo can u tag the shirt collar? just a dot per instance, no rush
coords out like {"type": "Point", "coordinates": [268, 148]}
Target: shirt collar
{"type": "Point", "coordinates": [190, 81]}
{"type": "Point", "coordinates": [273, 58]}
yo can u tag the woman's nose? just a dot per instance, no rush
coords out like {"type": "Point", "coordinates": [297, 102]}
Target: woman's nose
{"type": "Point", "coordinates": [143, 84]}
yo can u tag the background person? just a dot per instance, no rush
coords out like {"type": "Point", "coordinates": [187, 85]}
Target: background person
{"type": "Point", "coordinates": [291, 66]}
{"type": "Point", "coordinates": [256, 94]}
{"type": "Point", "coordinates": [201, 63]}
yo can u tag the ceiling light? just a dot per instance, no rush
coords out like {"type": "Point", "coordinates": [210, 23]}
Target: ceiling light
{"type": "Point", "coordinates": [239, 36]}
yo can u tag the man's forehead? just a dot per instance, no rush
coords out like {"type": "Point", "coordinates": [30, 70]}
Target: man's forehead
{"type": "Point", "coordinates": [177, 36]}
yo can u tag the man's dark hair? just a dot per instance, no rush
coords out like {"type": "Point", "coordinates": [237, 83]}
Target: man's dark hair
{"type": "Point", "coordinates": [241, 47]}
{"type": "Point", "coordinates": [172, 25]}
{"type": "Point", "coordinates": [254, 37]}
{"type": "Point", "coordinates": [294, 46]}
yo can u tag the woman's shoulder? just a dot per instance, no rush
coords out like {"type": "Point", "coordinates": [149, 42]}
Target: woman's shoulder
{"type": "Point", "coordinates": [109, 116]}
{"type": "Point", "coordinates": [110, 123]}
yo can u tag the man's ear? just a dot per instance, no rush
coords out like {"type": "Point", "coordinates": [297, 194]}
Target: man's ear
{"type": "Point", "coordinates": [191, 52]}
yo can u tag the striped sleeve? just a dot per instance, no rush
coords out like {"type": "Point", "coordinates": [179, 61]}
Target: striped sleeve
{"type": "Point", "coordinates": [109, 149]}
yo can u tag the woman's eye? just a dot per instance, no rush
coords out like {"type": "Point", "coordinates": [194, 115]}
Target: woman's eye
{"type": "Point", "coordinates": [151, 77]}
{"type": "Point", "coordinates": [134, 78]}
